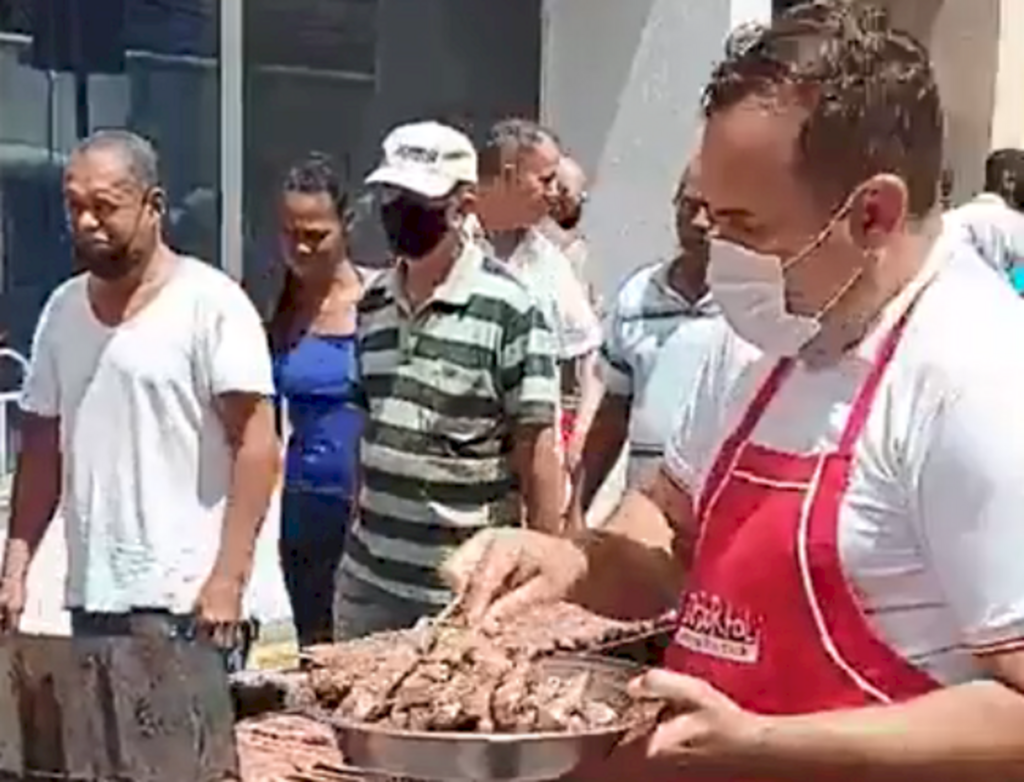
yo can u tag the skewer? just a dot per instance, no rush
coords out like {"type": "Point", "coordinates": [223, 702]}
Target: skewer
{"type": "Point", "coordinates": [432, 626]}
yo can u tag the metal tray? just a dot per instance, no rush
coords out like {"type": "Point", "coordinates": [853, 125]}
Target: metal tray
{"type": "Point", "coordinates": [501, 757]}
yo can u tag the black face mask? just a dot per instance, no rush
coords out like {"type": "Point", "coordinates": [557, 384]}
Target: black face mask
{"type": "Point", "coordinates": [569, 219]}
{"type": "Point", "coordinates": [413, 230]}
{"type": "Point", "coordinates": [106, 263]}
{"type": "Point", "coordinates": [114, 261]}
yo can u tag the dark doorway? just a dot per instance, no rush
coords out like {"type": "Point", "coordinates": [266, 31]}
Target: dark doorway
{"type": "Point", "coordinates": [336, 75]}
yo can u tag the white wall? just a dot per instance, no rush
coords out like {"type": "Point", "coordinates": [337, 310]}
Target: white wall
{"type": "Point", "coordinates": [1008, 119]}
{"type": "Point", "coordinates": [621, 83]}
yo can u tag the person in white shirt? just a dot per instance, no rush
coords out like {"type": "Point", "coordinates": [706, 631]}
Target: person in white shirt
{"type": "Point", "coordinates": [993, 222]}
{"type": "Point", "coordinates": [518, 165]}
{"type": "Point", "coordinates": [660, 328]}
{"type": "Point", "coordinates": [838, 517]}
{"type": "Point", "coordinates": [562, 225]}
{"type": "Point", "coordinates": [148, 419]}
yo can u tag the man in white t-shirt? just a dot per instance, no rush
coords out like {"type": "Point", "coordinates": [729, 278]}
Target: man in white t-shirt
{"type": "Point", "coordinates": [562, 225]}
{"type": "Point", "coordinates": [518, 182]}
{"type": "Point", "coordinates": [838, 517]}
{"type": "Point", "coordinates": [147, 418]}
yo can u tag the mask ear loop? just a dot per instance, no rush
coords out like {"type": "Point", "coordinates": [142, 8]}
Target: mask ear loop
{"type": "Point", "coordinates": [835, 298]}
{"type": "Point", "coordinates": [127, 245]}
{"type": "Point", "coordinates": [822, 237]}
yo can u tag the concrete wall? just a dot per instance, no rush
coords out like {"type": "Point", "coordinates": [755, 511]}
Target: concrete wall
{"type": "Point", "coordinates": [1008, 118]}
{"type": "Point", "coordinates": [621, 83]}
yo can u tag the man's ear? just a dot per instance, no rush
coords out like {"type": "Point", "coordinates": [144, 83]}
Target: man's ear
{"type": "Point", "coordinates": [509, 167]}
{"type": "Point", "coordinates": [467, 201]}
{"type": "Point", "coordinates": [878, 210]}
{"type": "Point", "coordinates": [157, 199]}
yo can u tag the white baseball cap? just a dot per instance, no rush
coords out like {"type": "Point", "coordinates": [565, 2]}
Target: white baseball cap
{"type": "Point", "coordinates": [427, 158]}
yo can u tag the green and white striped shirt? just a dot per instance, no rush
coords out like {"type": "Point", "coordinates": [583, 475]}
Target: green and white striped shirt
{"type": "Point", "coordinates": [446, 386]}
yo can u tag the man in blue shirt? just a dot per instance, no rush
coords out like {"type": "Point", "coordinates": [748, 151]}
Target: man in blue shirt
{"type": "Point", "coordinates": [993, 222]}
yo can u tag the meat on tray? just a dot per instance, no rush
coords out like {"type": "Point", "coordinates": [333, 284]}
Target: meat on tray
{"type": "Point", "coordinates": [562, 627]}
{"type": "Point", "coordinates": [454, 679]}
{"type": "Point", "coordinates": [282, 747]}
{"type": "Point", "coordinates": [568, 627]}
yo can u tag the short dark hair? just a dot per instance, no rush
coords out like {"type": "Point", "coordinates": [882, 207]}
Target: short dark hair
{"type": "Point", "coordinates": [506, 140]}
{"type": "Point", "coordinates": [315, 174]}
{"type": "Point", "coordinates": [947, 182]}
{"type": "Point", "coordinates": [684, 179]}
{"type": "Point", "coordinates": [1004, 175]}
{"type": "Point", "coordinates": [139, 153]}
{"type": "Point", "coordinates": [874, 101]}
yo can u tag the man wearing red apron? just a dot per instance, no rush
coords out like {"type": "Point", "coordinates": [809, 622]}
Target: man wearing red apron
{"type": "Point", "coordinates": [838, 516]}
{"type": "Point", "coordinates": [767, 558]}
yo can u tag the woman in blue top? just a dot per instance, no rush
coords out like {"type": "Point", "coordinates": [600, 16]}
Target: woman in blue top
{"type": "Point", "coordinates": [312, 335]}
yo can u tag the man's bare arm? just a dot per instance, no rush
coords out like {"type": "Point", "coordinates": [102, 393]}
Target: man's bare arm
{"type": "Point", "coordinates": [591, 393]}
{"type": "Point", "coordinates": [605, 439]}
{"type": "Point", "coordinates": [37, 482]}
{"type": "Point", "coordinates": [637, 562]}
{"type": "Point", "coordinates": [970, 731]}
{"type": "Point", "coordinates": [541, 477]}
{"type": "Point", "coordinates": [249, 426]}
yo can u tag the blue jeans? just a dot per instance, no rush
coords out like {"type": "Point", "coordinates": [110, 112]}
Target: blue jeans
{"type": "Point", "coordinates": [140, 621]}
{"type": "Point", "coordinates": [312, 541]}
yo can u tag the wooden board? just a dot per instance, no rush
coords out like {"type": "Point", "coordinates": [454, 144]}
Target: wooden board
{"type": "Point", "coordinates": [140, 709]}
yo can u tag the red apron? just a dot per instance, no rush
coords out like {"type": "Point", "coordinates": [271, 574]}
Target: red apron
{"type": "Point", "coordinates": [769, 617]}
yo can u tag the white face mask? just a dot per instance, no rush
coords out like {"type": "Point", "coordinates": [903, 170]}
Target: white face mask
{"type": "Point", "coordinates": [751, 290]}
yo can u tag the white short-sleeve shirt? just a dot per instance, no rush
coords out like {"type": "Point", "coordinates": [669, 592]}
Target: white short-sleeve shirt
{"type": "Point", "coordinates": [654, 346]}
{"type": "Point", "coordinates": [147, 466]}
{"type": "Point", "coordinates": [993, 228]}
{"type": "Point", "coordinates": [563, 299]}
{"type": "Point", "coordinates": [931, 529]}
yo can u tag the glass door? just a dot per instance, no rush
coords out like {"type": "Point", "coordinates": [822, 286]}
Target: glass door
{"type": "Point", "coordinates": [71, 66]}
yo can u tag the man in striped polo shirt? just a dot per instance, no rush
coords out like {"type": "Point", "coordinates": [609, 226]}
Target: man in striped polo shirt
{"type": "Point", "coordinates": [459, 373]}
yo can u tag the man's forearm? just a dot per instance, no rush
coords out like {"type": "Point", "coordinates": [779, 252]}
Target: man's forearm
{"type": "Point", "coordinates": [253, 478]}
{"type": "Point", "coordinates": [591, 393]}
{"type": "Point", "coordinates": [603, 447]}
{"type": "Point", "coordinates": [543, 480]}
{"type": "Point", "coordinates": [632, 569]}
{"type": "Point", "coordinates": [36, 495]}
{"type": "Point", "coordinates": [972, 731]}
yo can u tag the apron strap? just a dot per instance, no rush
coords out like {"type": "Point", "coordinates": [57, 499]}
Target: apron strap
{"type": "Point", "coordinates": [855, 422]}
{"type": "Point", "coordinates": [727, 452]}
{"type": "Point", "coordinates": [861, 408]}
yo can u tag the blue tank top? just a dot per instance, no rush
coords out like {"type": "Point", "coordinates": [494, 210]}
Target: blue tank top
{"type": "Point", "coordinates": [319, 378]}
